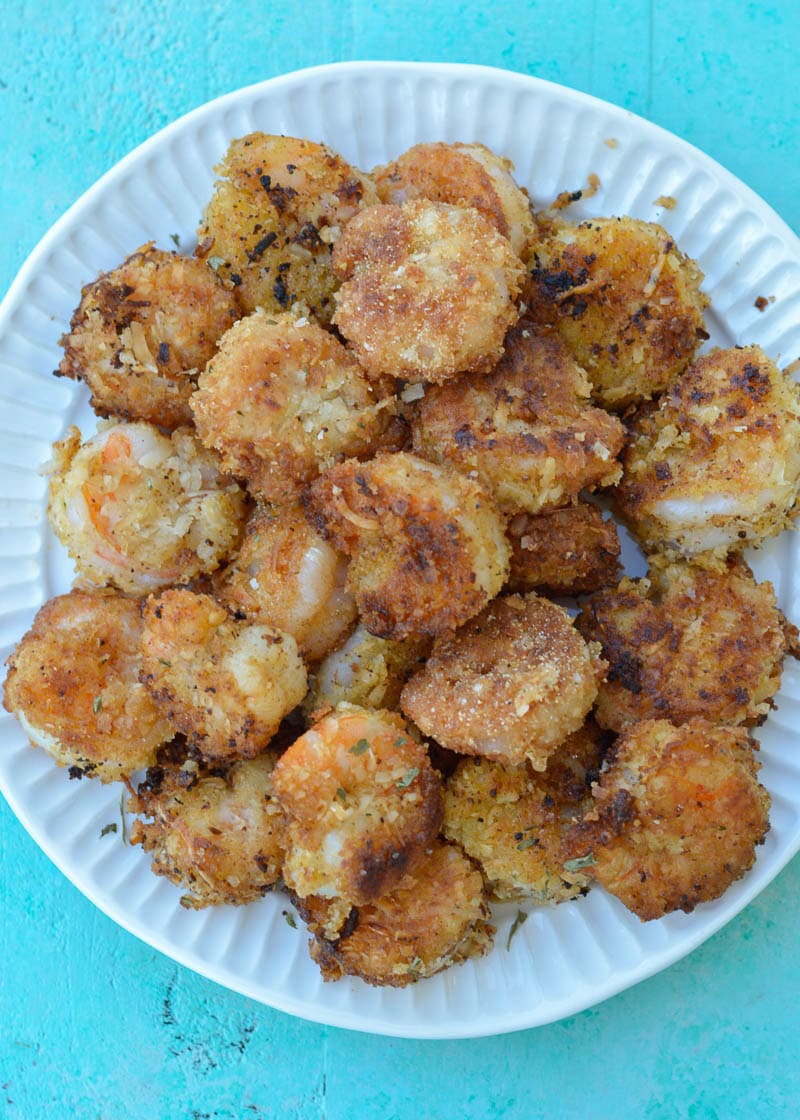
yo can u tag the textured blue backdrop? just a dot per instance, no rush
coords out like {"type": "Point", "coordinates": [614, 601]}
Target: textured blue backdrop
{"type": "Point", "coordinates": [95, 1024]}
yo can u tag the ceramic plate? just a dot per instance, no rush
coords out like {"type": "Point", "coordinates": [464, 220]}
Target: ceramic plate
{"type": "Point", "coordinates": [562, 959]}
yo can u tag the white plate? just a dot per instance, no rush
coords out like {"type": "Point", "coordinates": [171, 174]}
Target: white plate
{"type": "Point", "coordinates": [563, 959]}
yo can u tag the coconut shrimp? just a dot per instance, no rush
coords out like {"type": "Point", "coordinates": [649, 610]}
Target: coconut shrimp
{"type": "Point", "coordinates": [678, 814]}
{"type": "Point", "coordinates": [224, 683]}
{"type": "Point", "coordinates": [427, 291]}
{"type": "Point", "coordinates": [73, 683]}
{"type": "Point", "coordinates": [568, 551]}
{"type": "Point", "coordinates": [513, 820]}
{"type": "Point", "coordinates": [624, 298]}
{"type": "Point", "coordinates": [278, 206]}
{"type": "Point", "coordinates": [463, 175]}
{"type": "Point", "coordinates": [511, 684]}
{"type": "Point", "coordinates": [143, 331]}
{"type": "Point", "coordinates": [526, 430]}
{"type": "Point", "coordinates": [715, 465]}
{"type": "Point", "coordinates": [435, 917]}
{"type": "Point", "coordinates": [288, 576]}
{"type": "Point", "coordinates": [138, 509]}
{"type": "Point", "coordinates": [283, 400]}
{"type": "Point", "coordinates": [364, 670]}
{"type": "Point", "coordinates": [219, 835]}
{"type": "Point", "coordinates": [363, 804]}
{"type": "Point", "coordinates": [426, 543]}
{"type": "Point", "coordinates": [688, 641]}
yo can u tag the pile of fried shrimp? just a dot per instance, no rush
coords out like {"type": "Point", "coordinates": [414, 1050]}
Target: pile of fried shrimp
{"type": "Point", "coordinates": [349, 617]}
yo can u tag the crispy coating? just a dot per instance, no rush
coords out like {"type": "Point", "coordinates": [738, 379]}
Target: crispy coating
{"type": "Point", "coordinates": [278, 206]}
{"type": "Point", "coordinates": [526, 430]}
{"type": "Point", "coordinates": [426, 543]}
{"type": "Point", "coordinates": [143, 331]}
{"type": "Point", "coordinates": [283, 400]}
{"type": "Point", "coordinates": [363, 803]}
{"type": "Point", "coordinates": [428, 290]}
{"type": "Point", "coordinates": [138, 509]}
{"type": "Point", "coordinates": [513, 820]}
{"type": "Point", "coordinates": [287, 575]}
{"type": "Point", "coordinates": [73, 683]}
{"type": "Point", "coordinates": [219, 835]}
{"type": "Point", "coordinates": [624, 298]}
{"type": "Point", "coordinates": [689, 641]}
{"type": "Point", "coordinates": [715, 464]}
{"type": "Point", "coordinates": [511, 684]}
{"type": "Point", "coordinates": [679, 812]}
{"type": "Point", "coordinates": [435, 917]}
{"type": "Point", "coordinates": [568, 551]}
{"type": "Point", "coordinates": [364, 670]}
{"type": "Point", "coordinates": [468, 175]}
{"type": "Point", "coordinates": [225, 684]}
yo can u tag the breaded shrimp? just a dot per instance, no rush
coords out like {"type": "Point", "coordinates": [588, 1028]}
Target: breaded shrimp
{"type": "Point", "coordinates": [427, 545]}
{"type": "Point", "coordinates": [428, 290]}
{"type": "Point", "coordinates": [73, 683]}
{"type": "Point", "coordinates": [513, 820]}
{"type": "Point", "coordinates": [679, 812]}
{"type": "Point", "coordinates": [526, 430]}
{"type": "Point", "coordinates": [225, 684]}
{"type": "Point", "coordinates": [624, 298]}
{"type": "Point", "coordinates": [138, 509]}
{"type": "Point", "coordinates": [283, 400]}
{"type": "Point", "coordinates": [435, 917]}
{"type": "Point", "coordinates": [363, 804]}
{"type": "Point", "coordinates": [463, 175]}
{"type": "Point", "coordinates": [511, 684]}
{"type": "Point", "coordinates": [220, 835]}
{"type": "Point", "coordinates": [277, 207]}
{"type": "Point", "coordinates": [689, 641]}
{"type": "Point", "coordinates": [142, 333]}
{"type": "Point", "coordinates": [567, 551]}
{"type": "Point", "coordinates": [288, 576]}
{"type": "Point", "coordinates": [364, 670]}
{"type": "Point", "coordinates": [715, 464]}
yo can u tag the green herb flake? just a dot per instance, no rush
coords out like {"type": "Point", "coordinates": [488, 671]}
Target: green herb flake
{"type": "Point", "coordinates": [122, 818]}
{"type": "Point", "coordinates": [290, 918]}
{"type": "Point", "coordinates": [401, 742]}
{"type": "Point", "coordinates": [579, 863]}
{"type": "Point", "coordinates": [361, 746]}
{"type": "Point", "coordinates": [341, 794]}
{"type": "Point", "coordinates": [97, 704]}
{"type": "Point", "coordinates": [528, 842]}
{"type": "Point", "coordinates": [163, 661]}
{"type": "Point", "coordinates": [104, 831]}
{"type": "Point", "coordinates": [176, 241]}
{"type": "Point", "coordinates": [215, 262]}
{"type": "Point", "coordinates": [408, 778]}
{"type": "Point", "coordinates": [520, 920]}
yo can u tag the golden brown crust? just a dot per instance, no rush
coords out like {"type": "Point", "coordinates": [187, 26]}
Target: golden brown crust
{"type": "Point", "coordinates": [679, 812]}
{"type": "Point", "coordinates": [568, 551]}
{"type": "Point", "coordinates": [511, 684]}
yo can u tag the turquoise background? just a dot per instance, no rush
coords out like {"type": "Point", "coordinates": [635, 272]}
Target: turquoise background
{"type": "Point", "coordinates": [94, 1024]}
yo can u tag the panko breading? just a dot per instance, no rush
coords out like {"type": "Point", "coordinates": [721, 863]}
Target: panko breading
{"type": "Point", "coordinates": [225, 684]}
{"type": "Point", "coordinates": [286, 575]}
{"type": "Point", "coordinates": [679, 812]}
{"type": "Point", "coordinates": [435, 917]}
{"type": "Point", "coordinates": [143, 332]}
{"type": "Point", "coordinates": [283, 400]}
{"type": "Point", "coordinates": [511, 684]}
{"type": "Point", "coordinates": [463, 175]}
{"type": "Point", "coordinates": [567, 551]}
{"type": "Point", "coordinates": [219, 835]}
{"type": "Point", "coordinates": [73, 683]}
{"type": "Point", "coordinates": [364, 670]}
{"type": "Point", "coordinates": [363, 804]}
{"type": "Point", "coordinates": [526, 430]}
{"type": "Point", "coordinates": [689, 641]}
{"type": "Point", "coordinates": [138, 509]}
{"type": "Point", "coordinates": [513, 820]}
{"type": "Point", "coordinates": [279, 204]}
{"type": "Point", "coordinates": [715, 464]}
{"type": "Point", "coordinates": [427, 290]}
{"type": "Point", "coordinates": [426, 543]}
{"type": "Point", "coordinates": [624, 298]}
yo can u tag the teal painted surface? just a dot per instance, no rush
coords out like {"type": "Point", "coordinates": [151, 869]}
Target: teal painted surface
{"type": "Point", "coordinates": [95, 1024]}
